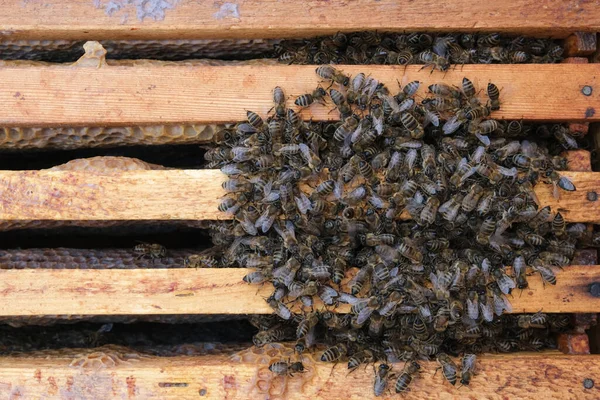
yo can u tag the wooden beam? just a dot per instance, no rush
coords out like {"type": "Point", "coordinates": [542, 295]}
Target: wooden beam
{"type": "Point", "coordinates": [42, 292]}
{"type": "Point", "coordinates": [184, 195]}
{"type": "Point", "coordinates": [126, 96]}
{"type": "Point", "coordinates": [54, 19]}
{"type": "Point", "coordinates": [547, 375]}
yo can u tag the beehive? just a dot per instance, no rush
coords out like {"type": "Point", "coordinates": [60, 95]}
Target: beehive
{"type": "Point", "coordinates": [96, 102]}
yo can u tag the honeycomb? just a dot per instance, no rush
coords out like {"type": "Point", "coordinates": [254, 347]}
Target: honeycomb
{"type": "Point", "coordinates": [264, 383]}
{"type": "Point", "coordinates": [106, 165]}
{"type": "Point", "coordinates": [101, 165]}
{"type": "Point", "coordinates": [68, 138]}
{"type": "Point", "coordinates": [67, 50]}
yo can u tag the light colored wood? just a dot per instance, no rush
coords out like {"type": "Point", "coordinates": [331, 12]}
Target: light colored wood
{"type": "Point", "coordinates": [187, 19]}
{"type": "Point", "coordinates": [528, 376]}
{"type": "Point", "coordinates": [42, 292]}
{"type": "Point", "coordinates": [125, 96]}
{"type": "Point", "coordinates": [184, 195]}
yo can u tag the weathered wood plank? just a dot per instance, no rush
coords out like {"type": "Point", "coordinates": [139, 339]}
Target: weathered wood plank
{"type": "Point", "coordinates": [188, 19]}
{"type": "Point", "coordinates": [42, 292]}
{"type": "Point", "coordinates": [184, 195]}
{"type": "Point", "coordinates": [527, 376]}
{"type": "Point", "coordinates": [125, 96]}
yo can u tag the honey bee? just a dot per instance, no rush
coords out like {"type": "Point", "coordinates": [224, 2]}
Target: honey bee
{"type": "Point", "coordinates": [279, 100]}
{"type": "Point", "coordinates": [334, 353]}
{"type": "Point", "coordinates": [537, 320]}
{"type": "Point", "coordinates": [200, 261]}
{"type": "Point", "coordinates": [380, 383]}
{"type": "Point", "coordinates": [283, 368]}
{"type": "Point", "coordinates": [448, 367]}
{"type": "Point", "coordinates": [429, 58]}
{"type": "Point", "coordinates": [468, 368]}
{"type": "Point", "coordinates": [330, 73]}
{"type": "Point", "coordinates": [305, 100]}
{"type": "Point", "coordinates": [406, 377]}
{"type": "Point", "coordinates": [275, 334]}
{"type": "Point", "coordinates": [152, 251]}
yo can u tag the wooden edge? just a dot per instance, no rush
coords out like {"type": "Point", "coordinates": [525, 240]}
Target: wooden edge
{"type": "Point", "coordinates": [544, 375]}
{"type": "Point", "coordinates": [109, 20]}
{"type": "Point", "coordinates": [580, 44]}
{"type": "Point", "coordinates": [42, 292]}
{"type": "Point", "coordinates": [186, 195]}
{"type": "Point", "coordinates": [149, 95]}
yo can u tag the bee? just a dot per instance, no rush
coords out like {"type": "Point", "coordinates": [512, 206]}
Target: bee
{"type": "Point", "coordinates": [334, 353]}
{"type": "Point", "coordinates": [257, 277]}
{"type": "Point", "coordinates": [279, 100]}
{"type": "Point", "coordinates": [406, 377]}
{"type": "Point", "coordinates": [411, 124]}
{"type": "Point", "coordinates": [363, 356]}
{"type": "Point", "coordinates": [504, 282]}
{"type": "Point", "coordinates": [355, 88]}
{"type": "Point", "coordinates": [545, 272]}
{"type": "Point", "coordinates": [308, 322]}
{"type": "Point", "coordinates": [152, 251]}
{"type": "Point", "coordinates": [283, 368]}
{"type": "Point", "coordinates": [561, 182]}
{"type": "Point", "coordinates": [274, 334]}
{"type": "Point", "coordinates": [537, 320]}
{"type": "Point", "coordinates": [468, 368]}
{"type": "Point", "coordinates": [200, 261]}
{"type": "Point", "coordinates": [305, 100]}
{"type": "Point", "coordinates": [494, 95]}
{"type": "Point", "coordinates": [280, 309]}
{"type": "Point", "coordinates": [520, 269]}
{"type": "Point", "coordinates": [448, 367]}
{"type": "Point", "coordinates": [429, 58]}
{"type": "Point", "coordinates": [380, 383]}
{"type": "Point", "coordinates": [330, 73]}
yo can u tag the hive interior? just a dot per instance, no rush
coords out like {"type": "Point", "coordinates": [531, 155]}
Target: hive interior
{"type": "Point", "coordinates": [171, 147]}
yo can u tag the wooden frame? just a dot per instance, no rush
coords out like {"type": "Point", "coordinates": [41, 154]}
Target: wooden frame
{"type": "Point", "coordinates": [102, 20]}
{"type": "Point", "coordinates": [107, 96]}
{"type": "Point", "coordinates": [125, 96]}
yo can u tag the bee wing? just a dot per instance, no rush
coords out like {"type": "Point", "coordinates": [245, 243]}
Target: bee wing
{"type": "Point", "coordinates": [566, 184]}
{"type": "Point", "coordinates": [348, 298]}
{"type": "Point", "coordinates": [483, 139]}
{"type": "Point", "coordinates": [451, 125]}
{"type": "Point", "coordinates": [248, 226]}
{"type": "Point", "coordinates": [472, 309]}
{"type": "Point", "coordinates": [283, 311]}
{"type": "Point", "coordinates": [440, 47]}
{"type": "Point", "coordinates": [432, 118]}
{"type": "Point", "coordinates": [487, 310]}
{"type": "Point", "coordinates": [364, 315]}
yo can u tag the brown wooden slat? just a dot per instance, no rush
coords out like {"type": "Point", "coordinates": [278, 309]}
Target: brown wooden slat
{"type": "Point", "coordinates": [183, 195]}
{"type": "Point", "coordinates": [125, 96]}
{"type": "Point", "coordinates": [103, 19]}
{"type": "Point", "coordinates": [526, 376]}
{"type": "Point", "coordinates": [42, 292]}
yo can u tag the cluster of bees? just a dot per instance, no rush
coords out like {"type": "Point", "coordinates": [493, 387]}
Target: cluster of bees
{"type": "Point", "coordinates": [439, 50]}
{"type": "Point", "coordinates": [408, 209]}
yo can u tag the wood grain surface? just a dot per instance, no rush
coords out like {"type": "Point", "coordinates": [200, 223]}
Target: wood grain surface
{"type": "Point", "coordinates": [186, 195]}
{"type": "Point", "coordinates": [187, 19]}
{"type": "Point", "coordinates": [42, 292]}
{"type": "Point", "coordinates": [528, 376]}
{"type": "Point", "coordinates": [130, 95]}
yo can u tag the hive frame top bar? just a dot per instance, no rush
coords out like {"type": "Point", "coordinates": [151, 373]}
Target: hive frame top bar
{"type": "Point", "coordinates": [125, 96]}
{"type": "Point", "coordinates": [187, 19]}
